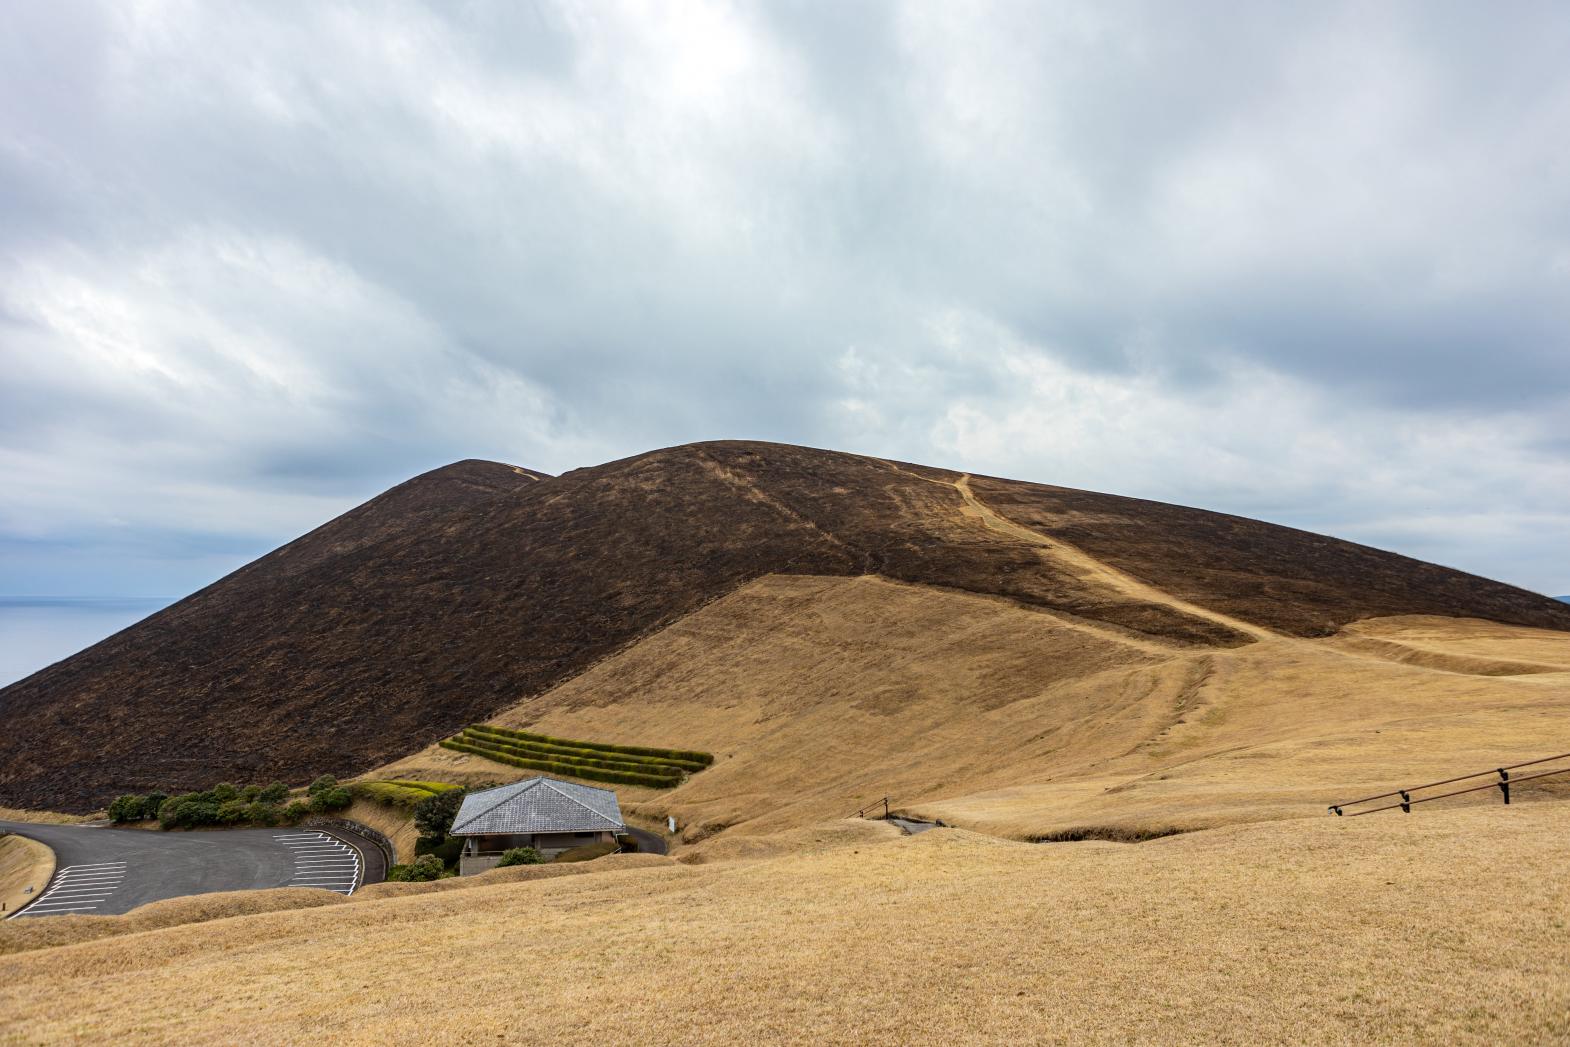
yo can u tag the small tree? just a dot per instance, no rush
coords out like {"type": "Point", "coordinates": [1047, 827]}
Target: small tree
{"type": "Point", "coordinates": [151, 803]}
{"type": "Point", "coordinates": [223, 792]}
{"type": "Point", "coordinates": [296, 810]}
{"type": "Point", "coordinates": [334, 799]}
{"type": "Point", "coordinates": [321, 785]}
{"type": "Point", "coordinates": [433, 815]}
{"type": "Point", "coordinates": [520, 856]}
{"type": "Point", "coordinates": [277, 792]}
{"type": "Point", "coordinates": [127, 808]}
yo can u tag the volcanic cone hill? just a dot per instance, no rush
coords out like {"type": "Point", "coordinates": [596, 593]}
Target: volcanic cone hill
{"type": "Point", "coordinates": [468, 589]}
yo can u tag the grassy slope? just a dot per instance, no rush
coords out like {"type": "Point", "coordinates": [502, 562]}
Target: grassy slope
{"type": "Point", "coordinates": [819, 694]}
{"type": "Point", "coordinates": [23, 863]}
{"type": "Point", "coordinates": [1441, 929]}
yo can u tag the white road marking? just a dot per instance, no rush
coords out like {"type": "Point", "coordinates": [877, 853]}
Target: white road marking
{"type": "Point", "coordinates": [78, 888]}
{"type": "Point", "coordinates": [322, 861]}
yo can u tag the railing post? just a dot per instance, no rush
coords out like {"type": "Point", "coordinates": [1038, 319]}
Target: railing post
{"type": "Point", "coordinates": [1504, 783]}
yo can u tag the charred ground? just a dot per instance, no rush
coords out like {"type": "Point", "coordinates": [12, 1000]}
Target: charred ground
{"type": "Point", "coordinates": [468, 588]}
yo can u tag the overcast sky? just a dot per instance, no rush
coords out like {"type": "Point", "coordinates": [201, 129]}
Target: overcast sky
{"type": "Point", "coordinates": [1309, 263]}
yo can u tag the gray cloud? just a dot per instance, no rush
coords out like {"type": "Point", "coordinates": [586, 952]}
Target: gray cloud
{"type": "Point", "coordinates": [258, 263]}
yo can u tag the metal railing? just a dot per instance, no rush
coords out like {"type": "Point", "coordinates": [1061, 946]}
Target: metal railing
{"type": "Point", "coordinates": [884, 802]}
{"type": "Point", "coordinates": [1502, 781]}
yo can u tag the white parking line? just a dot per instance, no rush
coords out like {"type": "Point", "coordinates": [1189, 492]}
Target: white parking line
{"type": "Point", "coordinates": [322, 861]}
{"type": "Point", "coordinates": [78, 888]}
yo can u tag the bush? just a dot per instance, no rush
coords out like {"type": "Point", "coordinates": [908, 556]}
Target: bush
{"type": "Point", "coordinates": [582, 750]}
{"type": "Point", "coordinates": [424, 868]}
{"type": "Point", "coordinates": [447, 850]}
{"type": "Point", "coordinates": [520, 856]}
{"type": "Point", "coordinates": [263, 813]}
{"type": "Point", "coordinates": [277, 792]}
{"type": "Point", "coordinates": [433, 815]}
{"type": "Point", "coordinates": [250, 793]}
{"type": "Point", "coordinates": [583, 757]}
{"type": "Point", "coordinates": [593, 774]}
{"type": "Point", "coordinates": [223, 792]}
{"type": "Point", "coordinates": [322, 784]}
{"type": "Point", "coordinates": [232, 811]}
{"type": "Point", "coordinates": [632, 750]}
{"type": "Point", "coordinates": [335, 798]}
{"type": "Point", "coordinates": [187, 811]}
{"type": "Point", "coordinates": [127, 808]}
{"type": "Point", "coordinates": [151, 803]}
{"type": "Point", "coordinates": [295, 811]}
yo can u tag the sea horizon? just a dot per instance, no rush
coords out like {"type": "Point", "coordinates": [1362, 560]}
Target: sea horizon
{"type": "Point", "coordinates": [38, 630]}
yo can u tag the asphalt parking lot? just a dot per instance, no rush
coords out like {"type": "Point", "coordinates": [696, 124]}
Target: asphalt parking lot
{"type": "Point", "coordinates": [104, 871]}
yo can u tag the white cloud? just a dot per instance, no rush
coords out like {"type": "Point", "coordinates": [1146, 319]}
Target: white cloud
{"type": "Point", "coordinates": [1305, 263]}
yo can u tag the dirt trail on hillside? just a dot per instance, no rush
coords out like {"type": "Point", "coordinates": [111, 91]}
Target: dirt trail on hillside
{"type": "Point", "coordinates": [1081, 564]}
{"type": "Point", "coordinates": [1078, 562]}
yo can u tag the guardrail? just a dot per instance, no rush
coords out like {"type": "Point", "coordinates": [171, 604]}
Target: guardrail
{"type": "Point", "coordinates": [884, 802]}
{"type": "Point", "coordinates": [1502, 781]}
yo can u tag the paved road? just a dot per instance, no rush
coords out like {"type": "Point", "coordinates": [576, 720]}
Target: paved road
{"type": "Point", "coordinates": [104, 871]}
{"type": "Point", "coordinates": [648, 843]}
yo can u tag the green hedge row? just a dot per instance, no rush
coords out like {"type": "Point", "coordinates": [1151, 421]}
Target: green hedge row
{"type": "Point", "coordinates": [594, 774]}
{"type": "Point", "coordinates": [559, 754]}
{"type": "Point", "coordinates": [670, 774]}
{"type": "Point", "coordinates": [633, 750]}
{"type": "Point", "coordinates": [520, 739]}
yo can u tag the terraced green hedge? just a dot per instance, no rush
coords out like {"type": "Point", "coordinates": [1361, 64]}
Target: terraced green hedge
{"type": "Point", "coordinates": [572, 770]}
{"type": "Point", "coordinates": [520, 739]}
{"type": "Point", "coordinates": [688, 755]}
{"type": "Point", "coordinates": [559, 754]}
{"type": "Point", "coordinates": [399, 793]}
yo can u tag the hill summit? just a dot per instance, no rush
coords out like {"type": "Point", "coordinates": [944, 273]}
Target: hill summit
{"type": "Point", "coordinates": [467, 589]}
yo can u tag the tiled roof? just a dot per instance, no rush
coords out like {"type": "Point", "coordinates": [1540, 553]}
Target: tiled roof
{"type": "Point", "coordinates": [537, 805]}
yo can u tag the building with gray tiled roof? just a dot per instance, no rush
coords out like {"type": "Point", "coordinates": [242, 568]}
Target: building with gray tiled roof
{"type": "Point", "coordinates": [547, 814]}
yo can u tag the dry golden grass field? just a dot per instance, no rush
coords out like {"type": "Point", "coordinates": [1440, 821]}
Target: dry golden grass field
{"type": "Point", "coordinates": [24, 863]}
{"type": "Point", "coordinates": [1453, 927]}
{"type": "Point", "coordinates": [817, 695]}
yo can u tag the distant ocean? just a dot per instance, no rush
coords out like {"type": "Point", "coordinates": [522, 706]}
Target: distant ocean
{"type": "Point", "coordinates": [36, 631]}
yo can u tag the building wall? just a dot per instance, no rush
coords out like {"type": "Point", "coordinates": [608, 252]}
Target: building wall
{"type": "Point", "coordinates": [483, 852]}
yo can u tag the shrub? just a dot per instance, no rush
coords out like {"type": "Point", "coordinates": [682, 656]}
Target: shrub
{"type": "Point", "coordinates": [684, 759]}
{"type": "Point", "coordinates": [277, 792]}
{"type": "Point", "coordinates": [187, 811]}
{"type": "Point", "coordinates": [633, 750]}
{"type": "Point", "coordinates": [296, 810]}
{"type": "Point", "coordinates": [250, 793]}
{"type": "Point", "coordinates": [425, 867]}
{"type": "Point", "coordinates": [520, 856]}
{"type": "Point", "coordinates": [335, 798]}
{"type": "Point", "coordinates": [586, 757]}
{"type": "Point", "coordinates": [232, 811]}
{"type": "Point", "coordinates": [151, 803]}
{"type": "Point", "coordinates": [321, 785]}
{"type": "Point", "coordinates": [447, 850]}
{"type": "Point", "coordinates": [263, 813]}
{"type": "Point", "coordinates": [127, 808]}
{"type": "Point", "coordinates": [433, 815]}
{"type": "Point", "coordinates": [594, 774]}
{"type": "Point", "coordinates": [223, 792]}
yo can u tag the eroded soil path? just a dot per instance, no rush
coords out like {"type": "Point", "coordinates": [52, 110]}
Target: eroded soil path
{"type": "Point", "coordinates": [1081, 564]}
